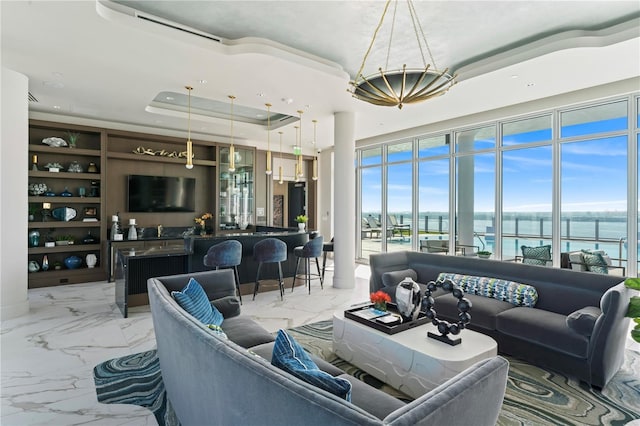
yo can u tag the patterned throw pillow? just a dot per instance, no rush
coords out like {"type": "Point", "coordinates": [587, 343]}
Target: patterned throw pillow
{"type": "Point", "coordinates": [595, 262]}
{"type": "Point", "coordinates": [508, 291]}
{"type": "Point", "coordinates": [536, 255]}
{"type": "Point", "coordinates": [289, 356]}
{"type": "Point", "coordinates": [194, 300]}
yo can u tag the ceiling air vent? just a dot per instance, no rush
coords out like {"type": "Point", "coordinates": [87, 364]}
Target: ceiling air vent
{"type": "Point", "coordinates": [184, 29]}
{"type": "Point", "coordinates": [32, 98]}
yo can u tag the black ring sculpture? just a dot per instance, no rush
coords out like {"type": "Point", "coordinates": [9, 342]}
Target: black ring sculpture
{"type": "Point", "coordinates": [464, 306]}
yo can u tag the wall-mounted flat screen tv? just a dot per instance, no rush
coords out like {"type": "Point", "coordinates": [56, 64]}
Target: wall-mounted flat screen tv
{"type": "Point", "coordinates": [161, 194]}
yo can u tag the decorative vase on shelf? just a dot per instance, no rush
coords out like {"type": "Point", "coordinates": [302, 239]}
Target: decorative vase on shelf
{"type": "Point", "coordinates": [72, 262]}
{"type": "Point", "coordinates": [91, 260]}
{"type": "Point", "coordinates": [45, 263]}
{"type": "Point", "coordinates": [33, 266]}
{"type": "Point", "coordinates": [301, 226]}
{"type": "Point", "coordinates": [34, 238]}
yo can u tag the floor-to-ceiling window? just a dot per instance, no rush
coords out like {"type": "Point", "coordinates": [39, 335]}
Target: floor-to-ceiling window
{"type": "Point", "coordinates": [562, 177]}
{"type": "Point", "coordinates": [594, 179]}
{"type": "Point", "coordinates": [475, 189]}
{"type": "Point", "coordinates": [432, 221]}
{"type": "Point", "coordinates": [399, 199]}
{"type": "Point", "coordinates": [527, 190]}
{"type": "Point", "coordinates": [370, 227]}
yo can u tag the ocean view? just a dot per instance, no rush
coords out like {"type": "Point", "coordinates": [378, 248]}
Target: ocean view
{"type": "Point", "coordinates": [580, 230]}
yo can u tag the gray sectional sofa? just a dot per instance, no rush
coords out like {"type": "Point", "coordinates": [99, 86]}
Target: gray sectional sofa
{"type": "Point", "coordinates": [576, 327]}
{"type": "Point", "coordinates": [211, 380]}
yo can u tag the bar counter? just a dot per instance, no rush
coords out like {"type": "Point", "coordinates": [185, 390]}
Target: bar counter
{"type": "Point", "coordinates": [197, 247]}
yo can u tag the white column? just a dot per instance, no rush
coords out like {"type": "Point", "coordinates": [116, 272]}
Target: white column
{"type": "Point", "coordinates": [325, 193]}
{"type": "Point", "coordinates": [344, 210]}
{"type": "Point", "coordinates": [14, 164]}
{"type": "Point", "coordinates": [466, 192]}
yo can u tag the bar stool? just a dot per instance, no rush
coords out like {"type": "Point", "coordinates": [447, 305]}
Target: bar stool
{"type": "Point", "coordinates": [270, 250]}
{"type": "Point", "coordinates": [326, 247]}
{"type": "Point", "coordinates": [227, 254]}
{"type": "Point", "coordinates": [311, 249]}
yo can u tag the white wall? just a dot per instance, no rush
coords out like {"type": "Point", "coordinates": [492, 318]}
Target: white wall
{"type": "Point", "coordinates": [14, 164]}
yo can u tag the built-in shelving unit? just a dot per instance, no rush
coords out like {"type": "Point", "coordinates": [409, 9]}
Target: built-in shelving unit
{"type": "Point", "coordinates": [86, 199]}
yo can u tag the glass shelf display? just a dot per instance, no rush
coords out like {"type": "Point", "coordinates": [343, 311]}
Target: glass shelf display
{"type": "Point", "coordinates": [236, 197]}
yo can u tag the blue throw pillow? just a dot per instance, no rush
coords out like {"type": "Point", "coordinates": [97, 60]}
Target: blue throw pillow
{"type": "Point", "coordinates": [194, 300]}
{"type": "Point", "coordinates": [289, 356]}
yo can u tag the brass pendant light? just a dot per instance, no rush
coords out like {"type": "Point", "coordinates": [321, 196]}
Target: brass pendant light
{"type": "Point", "coordinates": [268, 171]}
{"type": "Point", "coordinates": [232, 150]}
{"type": "Point", "coordinates": [280, 181]}
{"type": "Point", "coordinates": [296, 173]}
{"type": "Point", "coordinates": [314, 167]}
{"type": "Point", "coordinates": [300, 165]}
{"type": "Point", "coordinates": [189, 164]}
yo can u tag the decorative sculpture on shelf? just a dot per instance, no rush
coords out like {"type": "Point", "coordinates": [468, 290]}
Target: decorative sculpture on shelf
{"type": "Point", "coordinates": [445, 328]}
{"type": "Point", "coordinates": [408, 299]}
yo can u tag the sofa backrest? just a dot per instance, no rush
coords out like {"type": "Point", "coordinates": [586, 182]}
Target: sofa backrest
{"type": "Point", "coordinates": [211, 380]}
{"type": "Point", "coordinates": [559, 290]}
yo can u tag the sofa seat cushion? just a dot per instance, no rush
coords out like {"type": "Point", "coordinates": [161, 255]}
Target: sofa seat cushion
{"type": "Point", "coordinates": [544, 328]}
{"type": "Point", "coordinates": [265, 351]}
{"type": "Point", "coordinates": [483, 311]}
{"type": "Point", "coordinates": [508, 291]}
{"type": "Point", "coordinates": [289, 356]}
{"type": "Point", "coordinates": [245, 332]}
{"type": "Point", "coordinates": [370, 399]}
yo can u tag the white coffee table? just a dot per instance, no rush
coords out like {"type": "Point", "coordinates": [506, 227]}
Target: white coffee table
{"type": "Point", "coordinates": [409, 360]}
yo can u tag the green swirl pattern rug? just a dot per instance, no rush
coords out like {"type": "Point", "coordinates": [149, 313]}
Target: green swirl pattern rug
{"type": "Point", "coordinates": [534, 396]}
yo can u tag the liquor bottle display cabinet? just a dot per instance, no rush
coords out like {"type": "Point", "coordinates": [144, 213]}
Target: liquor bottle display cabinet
{"type": "Point", "coordinates": [65, 204]}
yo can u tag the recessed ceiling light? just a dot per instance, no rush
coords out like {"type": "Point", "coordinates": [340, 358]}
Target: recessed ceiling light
{"type": "Point", "coordinates": [202, 81]}
{"type": "Point", "coordinates": [169, 98]}
{"type": "Point", "coordinates": [287, 100]}
{"type": "Point", "coordinates": [530, 84]}
{"type": "Point", "coordinates": [259, 115]}
{"type": "Point", "coordinates": [54, 84]}
{"type": "Point", "coordinates": [307, 106]}
{"type": "Point", "coordinates": [515, 76]}
{"type": "Point", "coordinates": [260, 94]}
{"type": "Point", "coordinates": [56, 107]}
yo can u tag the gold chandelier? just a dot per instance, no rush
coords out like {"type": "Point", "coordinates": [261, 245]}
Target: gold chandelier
{"type": "Point", "coordinates": [232, 150]}
{"type": "Point", "coordinates": [401, 86]}
{"type": "Point", "coordinates": [189, 164]}
{"type": "Point", "coordinates": [268, 171]}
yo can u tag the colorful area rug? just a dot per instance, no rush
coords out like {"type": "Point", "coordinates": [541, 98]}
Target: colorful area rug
{"type": "Point", "coordinates": [534, 396]}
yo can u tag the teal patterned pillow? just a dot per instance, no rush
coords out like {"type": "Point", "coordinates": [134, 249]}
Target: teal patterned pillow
{"type": "Point", "coordinates": [508, 291]}
{"type": "Point", "coordinates": [289, 356]}
{"type": "Point", "coordinates": [536, 255]}
{"type": "Point", "coordinates": [194, 300]}
{"type": "Point", "coordinates": [595, 263]}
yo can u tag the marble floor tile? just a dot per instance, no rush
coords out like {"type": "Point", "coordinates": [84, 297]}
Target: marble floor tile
{"type": "Point", "coordinates": [48, 355]}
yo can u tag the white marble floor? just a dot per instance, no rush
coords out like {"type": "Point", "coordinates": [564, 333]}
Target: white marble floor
{"type": "Point", "coordinates": [47, 356]}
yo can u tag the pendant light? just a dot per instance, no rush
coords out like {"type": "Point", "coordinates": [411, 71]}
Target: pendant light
{"type": "Point", "coordinates": [189, 164]}
{"type": "Point", "coordinates": [300, 173]}
{"type": "Point", "coordinates": [314, 167]}
{"type": "Point", "coordinates": [268, 171]}
{"type": "Point", "coordinates": [232, 150]}
{"type": "Point", "coordinates": [280, 181]}
{"type": "Point", "coordinates": [296, 172]}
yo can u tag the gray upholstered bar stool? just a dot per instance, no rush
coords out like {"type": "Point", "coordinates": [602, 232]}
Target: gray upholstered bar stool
{"type": "Point", "coordinates": [227, 254]}
{"type": "Point", "coordinates": [310, 250]}
{"type": "Point", "coordinates": [270, 250]}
